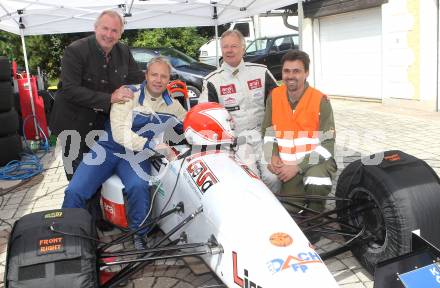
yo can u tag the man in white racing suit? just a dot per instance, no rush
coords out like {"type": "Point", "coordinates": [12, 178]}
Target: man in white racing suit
{"type": "Point", "coordinates": [242, 88]}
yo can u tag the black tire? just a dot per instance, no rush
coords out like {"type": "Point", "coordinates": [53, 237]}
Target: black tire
{"type": "Point", "coordinates": [10, 149]}
{"type": "Point", "coordinates": [5, 69]}
{"type": "Point", "coordinates": [403, 194]}
{"type": "Point", "coordinates": [9, 123]}
{"type": "Point", "coordinates": [6, 96]}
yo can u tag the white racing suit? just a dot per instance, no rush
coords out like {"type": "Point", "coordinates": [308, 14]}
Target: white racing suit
{"type": "Point", "coordinates": [243, 90]}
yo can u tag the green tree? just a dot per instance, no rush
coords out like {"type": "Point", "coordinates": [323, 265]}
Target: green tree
{"type": "Point", "coordinates": [186, 40]}
{"type": "Point", "coordinates": [43, 51]}
{"type": "Point", "coordinates": [46, 51]}
{"type": "Point", "coordinates": [10, 45]}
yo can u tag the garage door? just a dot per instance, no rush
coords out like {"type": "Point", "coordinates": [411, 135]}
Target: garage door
{"type": "Point", "coordinates": [350, 54]}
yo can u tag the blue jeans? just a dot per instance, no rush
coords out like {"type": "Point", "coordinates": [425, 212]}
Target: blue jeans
{"type": "Point", "coordinates": [88, 178]}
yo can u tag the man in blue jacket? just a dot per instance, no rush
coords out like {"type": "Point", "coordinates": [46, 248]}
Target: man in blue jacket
{"type": "Point", "coordinates": [134, 126]}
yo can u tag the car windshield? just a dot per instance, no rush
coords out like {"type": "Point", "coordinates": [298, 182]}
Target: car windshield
{"type": "Point", "coordinates": [177, 58]}
{"type": "Point", "coordinates": [142, 58]}
{"type": "Point", "coordinates": [258, 46]}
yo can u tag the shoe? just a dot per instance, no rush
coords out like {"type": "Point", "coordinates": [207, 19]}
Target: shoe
{"type": "Point", "coordinates": [139, 242]}
{"type": "Point", "coordinates": [104, 226]}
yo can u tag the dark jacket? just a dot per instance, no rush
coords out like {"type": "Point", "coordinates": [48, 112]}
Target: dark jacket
{"type": "Point", "coordinates": [87, 81]}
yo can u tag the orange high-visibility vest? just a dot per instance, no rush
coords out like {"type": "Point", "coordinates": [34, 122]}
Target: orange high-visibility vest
{"type": "Point", "coordinates": [296, 131]}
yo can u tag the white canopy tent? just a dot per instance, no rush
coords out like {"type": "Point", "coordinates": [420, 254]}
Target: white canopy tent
{"type": "Point", "coordinates": [39, 17]}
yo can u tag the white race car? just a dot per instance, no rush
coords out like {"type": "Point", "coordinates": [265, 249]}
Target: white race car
{"type": "Point", "coordinates": [212, 198]}
{"type": "Point", "coordinates": [209, 204]}
{"type": "Point", "coordinates": [254, 241]}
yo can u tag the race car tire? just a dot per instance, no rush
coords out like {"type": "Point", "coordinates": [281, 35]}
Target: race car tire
{"type": "Point", "coordinates": [6, 99]}
{"type": "Point", "coordinates": [5, 69]}
{"type": "Point", "coordinates": [10, 149]}
{"type": "Point", "coordinates": [400, 194]}
{"type": "Point", "coordinates": [9, 122]}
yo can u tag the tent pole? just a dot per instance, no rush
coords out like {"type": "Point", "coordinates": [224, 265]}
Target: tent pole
{"type": "Point", "coordinates": [215, 17]}
{"type": "Point", "coordinates": [300, 24]}
{"type": "Point", "coordinates": [216, 45]}
{"type": "Point", "coordinates": [23, 43]}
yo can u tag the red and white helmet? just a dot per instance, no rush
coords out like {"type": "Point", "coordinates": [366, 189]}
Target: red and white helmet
{"type": "Point", "coordinates": [208, 124]}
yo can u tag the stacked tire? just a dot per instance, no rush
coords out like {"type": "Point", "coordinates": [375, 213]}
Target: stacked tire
{"type": "Point", "coordinates": [10, 141]}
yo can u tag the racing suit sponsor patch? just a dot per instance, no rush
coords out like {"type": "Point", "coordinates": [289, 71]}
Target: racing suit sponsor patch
{"type": "Point", "coordinates": [258, 95]}
{"type": "Point", "coordinates": [233, 108]}
{"type": "Point", "coordinates": [254, 84]}
{"type": "Point", "coordinates": [228, 89]}
{"type": "Point", "coordinates": [229, 101]}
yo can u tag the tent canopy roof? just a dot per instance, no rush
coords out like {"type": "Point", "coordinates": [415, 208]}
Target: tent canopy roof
{"type": "Point", "coordinates": [38, 17]}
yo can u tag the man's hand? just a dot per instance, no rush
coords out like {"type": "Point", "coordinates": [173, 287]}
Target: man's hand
{"type": "Point", "coordinates": [121, 95]}
{"type": "Point", "coordinates": [165, 150]}
{"type": "Point", "coordinates": [275, 164]}
{"type": "Point", "coordinates": [287, 172]}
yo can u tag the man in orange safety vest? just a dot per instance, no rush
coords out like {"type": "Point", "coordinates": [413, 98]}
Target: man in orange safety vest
{"type": "Point", "coordinates": [299, 121]}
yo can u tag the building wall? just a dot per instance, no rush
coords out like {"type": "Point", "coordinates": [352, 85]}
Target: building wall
{"type": "Point", "coordinates": [409, 44]}
{"type": "Point", "coordinates": [428, 51]}
{"type": "Point", "coordinates": [308, 46]}
{"type": "Point", "coordinates": [410, 53]}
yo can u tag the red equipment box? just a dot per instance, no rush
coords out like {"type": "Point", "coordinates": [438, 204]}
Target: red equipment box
{"type": "Point", "coordinates": [29, 130]}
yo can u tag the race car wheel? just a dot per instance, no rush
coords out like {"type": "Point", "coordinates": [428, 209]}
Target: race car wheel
{"type": "Point", "coordinates": [388, 201]}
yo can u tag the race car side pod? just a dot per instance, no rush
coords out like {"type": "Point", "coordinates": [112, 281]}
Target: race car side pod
{"type": "Point", "coordinates": [179, 208]}
{"type": "Point", "coordinates": [132, 268]}
{"type": "Point", "coordinates": [418, 268]}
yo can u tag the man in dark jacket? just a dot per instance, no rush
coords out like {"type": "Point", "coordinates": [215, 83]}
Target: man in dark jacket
{"type": "Point", "coordinates": [93, 72]}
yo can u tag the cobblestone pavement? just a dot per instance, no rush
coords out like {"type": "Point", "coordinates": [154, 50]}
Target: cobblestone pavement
{"type": "Point", "coordinates": [362, 128]}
